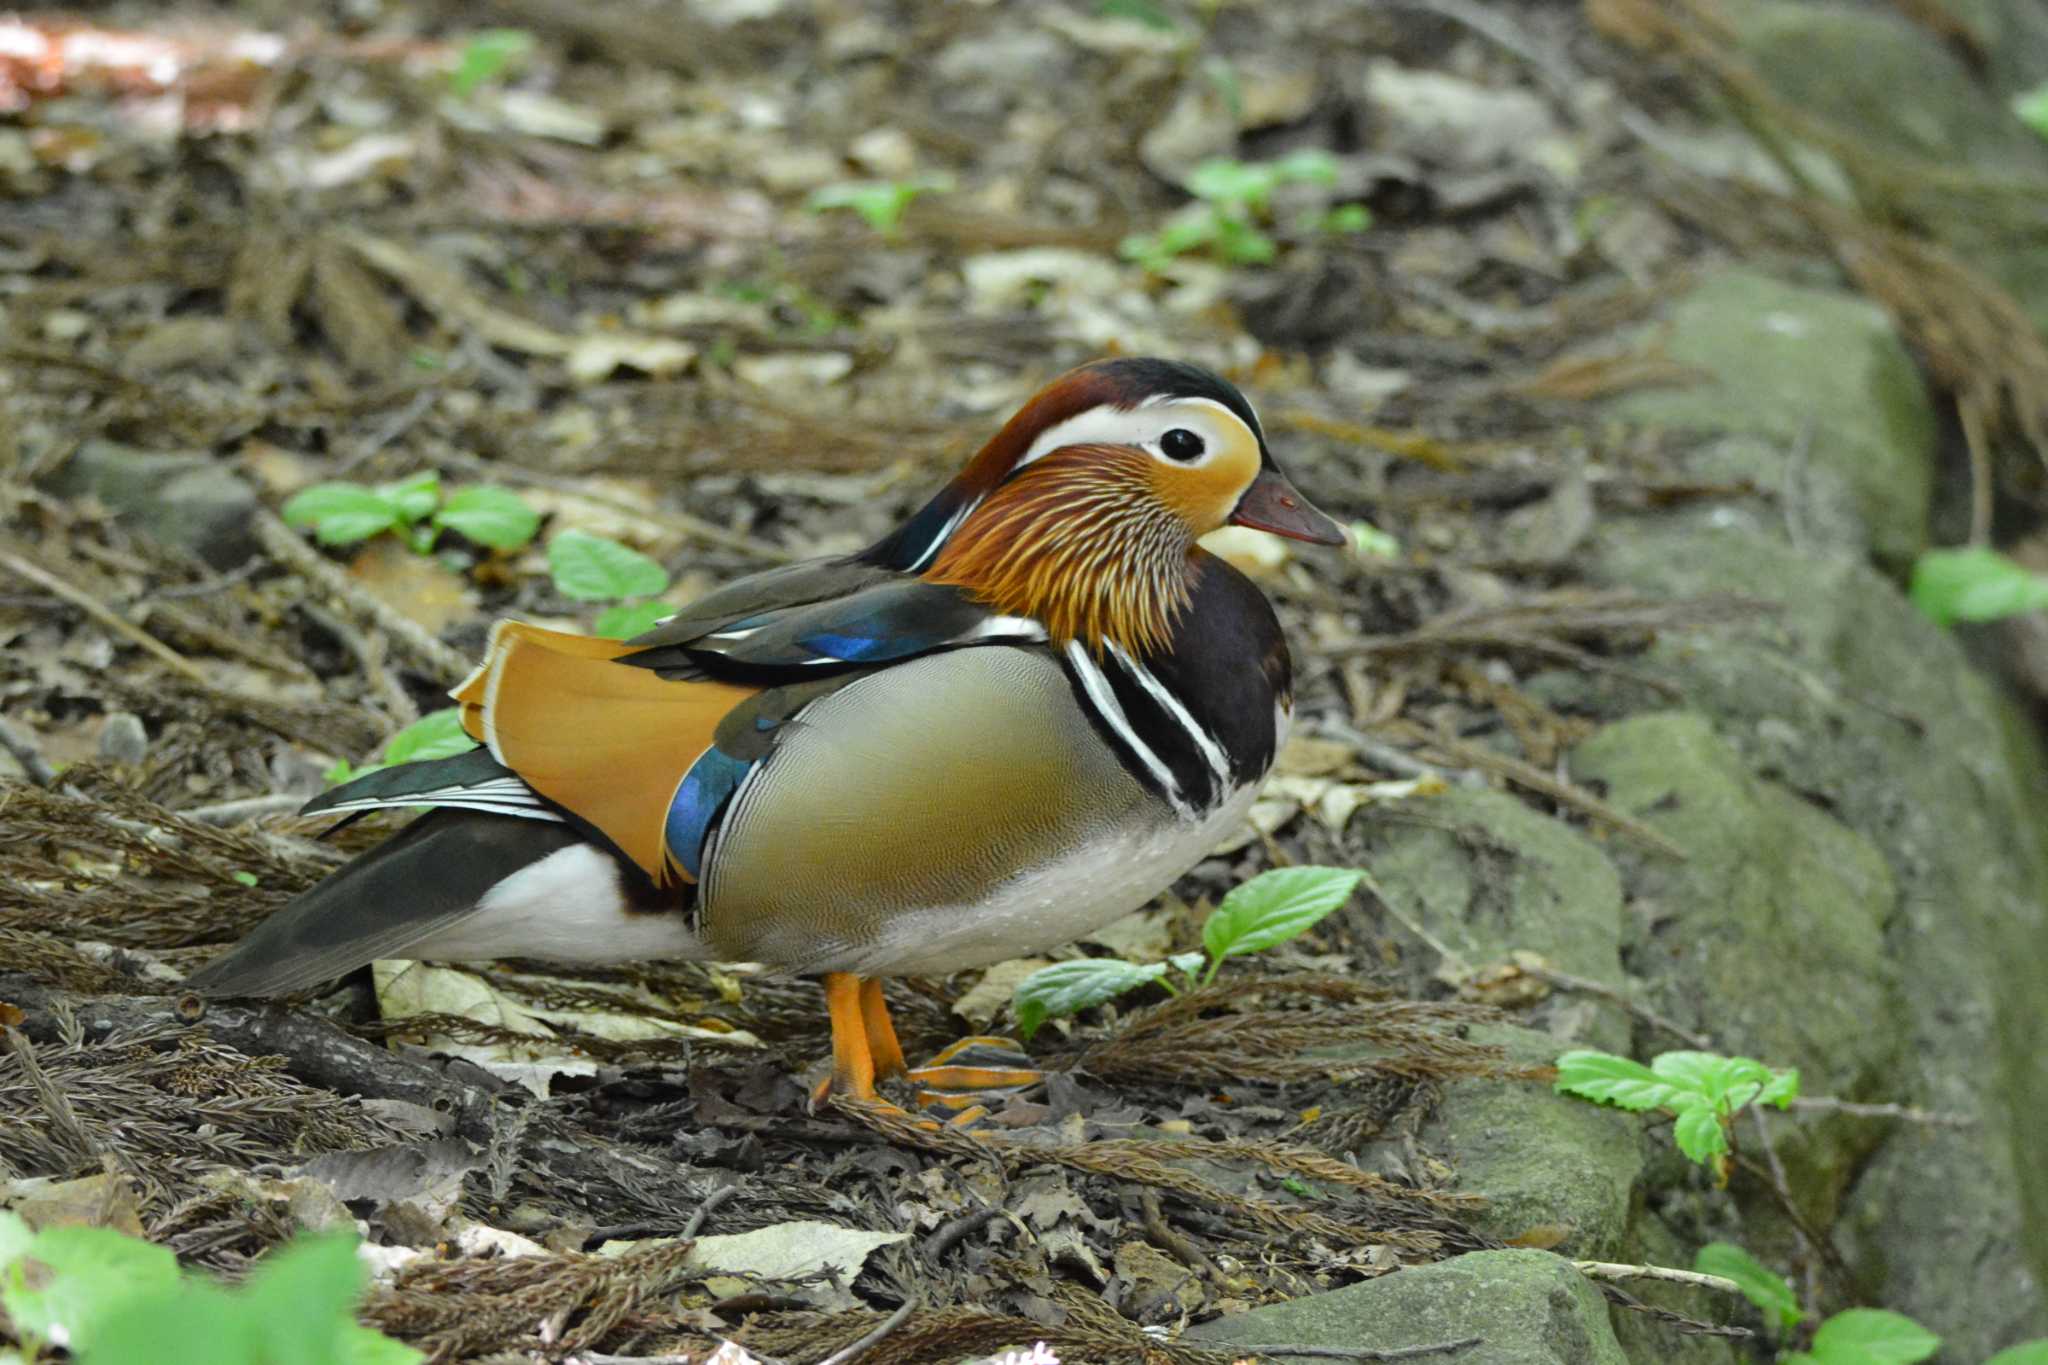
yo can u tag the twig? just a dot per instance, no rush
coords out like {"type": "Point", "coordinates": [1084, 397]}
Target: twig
{"type": "Point", "coordinates": [1529, 775]}
{"type": "Point", "coordinates": [369, 657]}
{"type": "Point", "coordinates": [1809, 1257]}
{"type": "Point", "coordinates": [27, 753]}
{"type": "Point", "coordinates": [247, 808]}
{"type": "Point", "coordinates": [443, 664]}
{"type": "Point", "coordinates": [1171, 1240]}
{"type": "Point", "coordinates": [723, 1195]}
{"type": "Point", "coordinates": [949, 1236]}
{"type": "Point", "coordinates": [1699, 1042]}
{"type": "Point", "coordinates": [1366, 1352]}
{"type": "Point", "coordinates": [1824, 1104]}
{"type": "Point", "coordinates": [873, 1338]}
{"type": "Point", "coordinates": [101, 613]}
{"type": "Point", "coordinates": [1609, 1270]}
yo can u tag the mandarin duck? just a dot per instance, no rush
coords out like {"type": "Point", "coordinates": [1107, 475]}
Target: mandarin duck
{"type": "Point", "coordinates": [1016, 717]}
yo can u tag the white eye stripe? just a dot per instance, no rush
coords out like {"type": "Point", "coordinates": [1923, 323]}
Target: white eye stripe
{"type": "Point", "coordinates": [1142, 426]}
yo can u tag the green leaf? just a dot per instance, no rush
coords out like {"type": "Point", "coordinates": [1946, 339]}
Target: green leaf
{"type": "Point", "coordinates": [1346, 219]}
{"type": "Point", "coordinates": [1607, 1079]}
{"type": "Point", "coordinates": [15, 1236]}
{"type": "Point", "coordinates": [2032, 109]}
{"type": "Point", "coordinates": [340, 513]}
{"type": "Point", "coordinates": [193, 1323]}
{"type": "Point", "coordinates": [246, 878]}
{"type": "Point", "coordinates": [302, 1299]}
{"type": "Point", "coordinates": [880, 203]}
{"type": "Point", "coordinates": [1699, 1134]}
{"type": "Point", "coordinates": [1700, 1073]}
{"type": "Point", "coordinates": [438, 734]}
{"type": "Point", "coordinates": [1975, 584]}
{"type": "Point", "coordinates": [1782, 1089]}
{"type": "Point", "coordinates": [486, 56]}
{"type": "Point", "coordinates": [1273, 907]}
{"type": "Point", "coordinates": [632, 618]}
{"type": "Point", "coordinates": [1872, 1336]}
{"type": "Point", "coordinates": [71, 1278]}
{"type": "Point", "coordinates": [1762, 1286]}
{"type": "Point", "coordinates": [1187, 964]}
{"type": "Point", "coordinates": [1067, 987]}
{"type": "Point", "coordinates": [1222, 180]}
{"type": "Point", "coordinates": [496, 517]}
{"type": "Point", "coordinates": [1309, 166]}
{"type": "Point", "coordinates": [2027, 1352]}
{"type": "Point", "coordinates": [414, 497]}
{"type": "Point", "coordinates": [594, 569]}
{"type": "Point", "coordinates": [1141, 12]}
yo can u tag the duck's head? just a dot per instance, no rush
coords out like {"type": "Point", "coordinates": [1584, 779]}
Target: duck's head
{"type": "Point", "coordinates": [1084, 510]}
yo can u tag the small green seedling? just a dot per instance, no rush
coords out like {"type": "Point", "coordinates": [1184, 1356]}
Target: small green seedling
{"type": "Point", "coordinates": [486, 56]}
{"type": "Point", "coordinates": [1866, 1336]}
{"type": "Point", "coordinates": [880, 203]}
{"type": "Point", "coordinates": [413, 509]}
{"type": "Point", "coordinates": [1704, 1091]}
{"type": "Point", "coordinates": [1974, 584]}
{"type": "Point", "coordinates": [1264, 912]}
{"type": "Point", "coordinates": [1857, 1336]}
{"type": "Point", "coordinates": [111, 1299]}
{"type": "Point", "coordinates": [438, 734]}
{"type": "Point", "coordinates": [1766, 1288]}
{"type": "Point", "coordinates": [593, 569]}
{"type": "Point", "coordinates": [2032, 108]}
{"type": "Point", "coordinates": [1234, 201]}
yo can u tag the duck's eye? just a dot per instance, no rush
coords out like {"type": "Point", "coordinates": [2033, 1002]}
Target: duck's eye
{"type": "Point", "coordinates": [1181, 444]}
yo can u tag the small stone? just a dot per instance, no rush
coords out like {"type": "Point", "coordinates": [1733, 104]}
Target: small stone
{"type": "Point", "coordinates": [186, 498]}
{"type": "Point", "coordinates": [123, 738]}
{"type": "Point", "coordinates": [885, 152]}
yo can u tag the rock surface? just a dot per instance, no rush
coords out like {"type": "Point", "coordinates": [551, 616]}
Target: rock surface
{"type": "Point", "coordinates": [1862, 895]}
{"type": "Point", "coordinates": [1529, 1308]}
{"type": "Point", "coordinates": [184, 499]}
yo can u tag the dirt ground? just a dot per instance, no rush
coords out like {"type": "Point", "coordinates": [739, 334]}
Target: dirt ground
{"type": "Point", "coordinates": [301, 244]}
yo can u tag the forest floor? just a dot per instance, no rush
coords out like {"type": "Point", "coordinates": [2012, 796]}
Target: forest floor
{"type": "Point", "coordinates": [593, 257]}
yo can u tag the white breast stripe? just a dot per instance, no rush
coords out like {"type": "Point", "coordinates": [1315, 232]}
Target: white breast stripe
{"type": "Point", "coordinates": [1212, 752]}
{"type": "Point", "coordinates": [1097, 689]}
{"type": "Point", "coordinates": [1006, 628]}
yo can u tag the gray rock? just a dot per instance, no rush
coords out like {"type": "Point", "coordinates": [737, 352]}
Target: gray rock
{"type": "Point", "coordinates": [1548, 1165]}
{"type": "Point", "coordinates": [1490, 876]}
{"type": "Point", "coordinates": [1811, 371]}
{"type": "Point", "coordinates": [123, 739]}
{"type": "Point", "coordinates": [1530, 1307]}
{"type": "Point", "coordinates": [187, 499]}
{"type": "Point", "coordinates": [1891, 83]}
{"type": "Point", "coordinates": [1863, 808]}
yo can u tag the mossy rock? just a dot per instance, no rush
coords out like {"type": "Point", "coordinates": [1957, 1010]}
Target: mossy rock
{"type": "Point", "coordinates": [1527, 1307]}
{"type": "Point", "coordinates": [1815, 371]}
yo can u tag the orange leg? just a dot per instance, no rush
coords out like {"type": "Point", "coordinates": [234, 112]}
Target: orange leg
{"type": "Point", "coordinates": [882, 1045]}
{"type": "Point", "coordinates": [853, 1065]}
{"type": "Point", "coordinates": [972, 1068]}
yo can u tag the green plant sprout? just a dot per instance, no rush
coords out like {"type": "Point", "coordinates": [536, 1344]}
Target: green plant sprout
{"type": "Point", "coordinates": [880, 203]}
{"type": "Point", "coordinates": [2032, 108]}
{"type": "Point", "coordinates": [593, 569]}
{"type": "Point", "coordinates": [1855, 1336]}
{"type": "Point", "coordinates": [486, 56]}
{"type": "Point", "coordinates": [1234, 200]}
{"type": "Point", "coordinates": [1703, 1091]}
{"type": "Point", "coordinates": [1974, 584]}
{"type": "Point", "coordinates": [413, 509]}
{"type": "Point", "coordinates": [438, 734]}
{"type": "Point", "coordinates": [111, 1299]}
{"type": "Point", "coordinates": [1264, 912]}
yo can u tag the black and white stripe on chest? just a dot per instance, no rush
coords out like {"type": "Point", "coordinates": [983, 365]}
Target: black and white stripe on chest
{"type": "Point", "coordinates": [1158, 735]}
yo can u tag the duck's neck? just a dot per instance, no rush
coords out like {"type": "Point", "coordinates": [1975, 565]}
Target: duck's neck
{"type": "Point", "coordinates": [1082, 543]}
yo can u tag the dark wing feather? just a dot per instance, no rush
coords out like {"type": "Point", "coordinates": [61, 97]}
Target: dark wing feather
{"type": "Point", "coordinates": [425, 878]}
{"type": "Point", "coordinates": [473, 781]}
{"type": "Point", "coordinates": [884, 621]}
